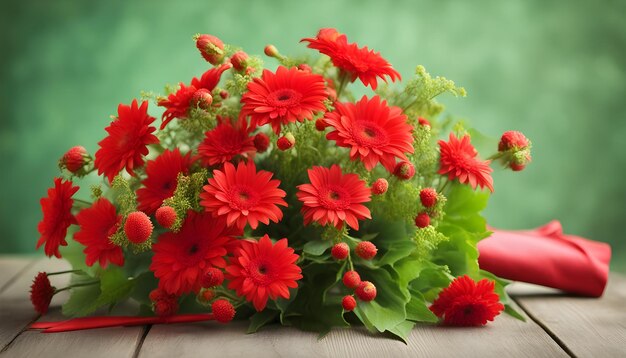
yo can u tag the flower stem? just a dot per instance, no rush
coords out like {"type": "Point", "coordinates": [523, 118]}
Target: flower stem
{"type": "Point", "coordinates": [90, 283]}
{"type": "Point", "coordinates": [343, 82]}
{"type": "Point", "coordinates": [63, 272]}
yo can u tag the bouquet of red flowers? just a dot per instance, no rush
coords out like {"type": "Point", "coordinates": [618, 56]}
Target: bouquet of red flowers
{"type": "Point", "coordinates": [282, 196]}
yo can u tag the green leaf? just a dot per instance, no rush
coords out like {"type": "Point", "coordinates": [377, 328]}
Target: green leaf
{"type": "Point", "coordinates": [402, 330]}
{"type": "Point", "coordinates": [82, 301]}
{"type": "Point", "coordinates": [144, 283]}
{"type": "Point", "coordinates": [511, 311]}
{"type": "Point", "coordinates": [397, 250]}
{"type": "Point", "coordinates": [260, 319]}
{"type": "Point", "coordinates": [417, 309]}
{"type": "Point", "coordinates": [500, 288]}
{"type": "Point", "coordinates": [387, 310]}
{"type": "Point", "coordinates": [114, 287]}
{"type": "Point", "coordinates": [316, 247]}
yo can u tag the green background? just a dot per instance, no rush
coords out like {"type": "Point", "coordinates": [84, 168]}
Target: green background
{"type": "Point", "coordinates": [553, 70]}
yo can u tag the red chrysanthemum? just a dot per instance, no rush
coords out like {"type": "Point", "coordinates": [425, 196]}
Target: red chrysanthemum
{"type": "Point", "coordinates": [161, 181]}
{"type": "Point", "coordinates": [260, 271]}
{"type": "Point", "coordinates": [373, 131]}
{"type": "Point", "coordinates": [333, 197]}
{"type": "Point", "coordinates": [459, 161]}
{"type": "Point", "coordinates": [243, 195]}
{"type": "Point", "coordinates": [362, 63]}
{"type": "Point", "coordinates": [97, 223]}
{"type": "Point", "coordinates": [283, 97]}
{"type": "Point", "coordinates": [57, 216]}
{"type": "Point", "coordinates": [226, 141]}
{"type": "Point", "coordinates": [128, 140]}
{"type": "Point", "coordinates": [41, 292]}
{"type": "Point", "coordinates": [181, 259]}
{"type": "Point", "coordinates": [467, 303]}
{"type": "Point", "coordinates": [177, 104]}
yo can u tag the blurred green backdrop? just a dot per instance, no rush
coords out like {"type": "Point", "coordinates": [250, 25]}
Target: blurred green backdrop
{"type": "Point", "coordinates": [554, 70]}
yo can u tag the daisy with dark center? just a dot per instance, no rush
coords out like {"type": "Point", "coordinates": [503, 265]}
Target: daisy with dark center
{"type": "Point", "coordinates": [287, 96]}
{"type": "Point", "coordinates": [57, 216]}
{"type": "Point", "coordinates": [467, 303]}
{"type": "Point", "coordinates": [129, 136]}
{"type": "Point", "coordinates": [227, 141]}
{"type": "Point", "coordinates": [181, 259]}
{"type": "Point", "coordinates": [362, 63]}
{"type": "Point", "coordinates": [260, 271]}
{"type": "Point", "coordinates": [97, 223]}
{"type": "Point", "coordinates": [178, 104]}
{"type": "Point", "coordinates": [161, 181]}
{"type": "Point", "coordinates": [458, 159]}
{"type": "Point", "coordinates": [243, 196]}
{"type": "Point", "coordinates": [374, 132]}
{"type": "Point", "coordinates": [334, 198]}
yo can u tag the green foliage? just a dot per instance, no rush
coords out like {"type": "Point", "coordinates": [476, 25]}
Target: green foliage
{"type": "Point", "coordinates": [114, 287]}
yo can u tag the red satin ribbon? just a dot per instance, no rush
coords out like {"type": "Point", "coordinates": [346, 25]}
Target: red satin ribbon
{"type": "Point", "coordinates": [543, 256]}
{"type": "Point", "coordinates": [76, 324]}
{"type": "Point", "coordinates": [547, 257]}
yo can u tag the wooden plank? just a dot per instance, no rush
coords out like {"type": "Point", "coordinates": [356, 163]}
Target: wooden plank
{"type": "Point", "coordinates": [587, 327]}
{"type": "Point", "coordinates": [506, 337]}
{"type": "Point", "coordinates": [10, 266]}
{"type": "Point", "coordinates": [17, 313]}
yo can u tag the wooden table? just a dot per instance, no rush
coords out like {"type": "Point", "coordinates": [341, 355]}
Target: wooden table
{"type": "Point", "coordinates": [557, 326]}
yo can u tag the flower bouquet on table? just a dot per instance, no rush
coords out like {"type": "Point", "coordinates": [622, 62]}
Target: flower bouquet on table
{"type": "Point", "coordinates": [281, 196]}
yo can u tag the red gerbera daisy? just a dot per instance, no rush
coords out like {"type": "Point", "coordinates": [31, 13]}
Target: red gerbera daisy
{"type": "Point", "coordinates": [226, 141]}
{"type": "Point", "coordinates": [361, 63]}
{"type": "Point", "coordinates": [458, 160]}
{"type": "Point", "coordinates": [161, 181]}
{"type": "Point", "coordinates": [373, 131]}
{"type": "Point", "coordinates": [260, 271]}
{"type": "Point", "coordinates": [57, 216]}
{"type": "Point", "coordinates": [283, 97]}
{"type": "Point", "coordinates": [181, 259]}
{"type": "Point", "coordinates": [41, 292]}
{"type": "Point", "coordinates": [97, 223]}
{"type": "Point", "coordinates": [127, 143]}
{"type": "Point", "coordinates": [333, 197]}
{"type": "Point", "coordinates": [467, 303]}
{"type": "Point", "coordinates": [178, 103]}
{"type": "Point", "coordinates": [243, 195]}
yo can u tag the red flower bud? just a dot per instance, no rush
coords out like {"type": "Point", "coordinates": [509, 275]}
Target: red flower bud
{"type": "Point", "coordinates": [166, 216]}
{"type": "Point", "coordinates": [404, 170]}
{"type": "Point", "coordinates": [211, 48]}
{"type": "Point", "coordinates": [238, 59]}
{"type": "Point", "coordinates": [380, 186]}
{"type": "Point", "coordinates": [348, 303]}
{"type": "Point", "coordinates": [428, 197]}
{"type": "Point", "coordinates": [366, 291]}
{"type": "Point", "coordinates": [223, 311]}
{"type": "Point", "coordinates": [366, 250]}
{"type": "Point", "coordinates": [202, 99]}
{"type": "Point", "coordinates": [271, 51]}
{"type": "Point", "coordinates": [286, 142]}
{"type": "Point", "coordinates": [261, 142]}
{"type": "Point", "coordinates": [422, 220]}
{"type": "Point", "coordinates": [138, 227]}
{"type": "Point", "coordinates": [340, 251]}
{"type": "Point", "coordinates": [74, 159]}
{"type": "Point", "coordinates": [351, 279]}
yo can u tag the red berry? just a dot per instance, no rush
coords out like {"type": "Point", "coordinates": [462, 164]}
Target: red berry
{"type": "Point", "coordinates": [166, 216]}
{"type": "Point", "coordinates": [428, 197]}
{"type": "Point", "coordinates": [223, 311]}
{"type": "Point", "coordinates": [261, 142]}
{"type": "Point", "coordinates": [349, 303]}
{"type": "Point", "coordinates": [211, 48]}
{"type": "Point", "coordinates": [380, 186]}
{"type": "Point", "coordinates": [517, 167]}
{"type": "Point", "coordinates": [366, 250]}
{"type": "Point", "coordinates": [422, 220]}
{"type": "Point", "coordinates": [74, 159]}
{"type": "Point", "coordinates": [271, 51]}
{"type": "Point", "coordinates": [202, 99]}
{"type": "Point", "coordinates": [138, 227]}
{"type": "Point", "coordinates": [212, 277]}
{"type": "Point", "coordinates": [351, 279]}
{"type": "Point", "coordinates": [224, 94]}
{"type": "Point", "coordinates": [512, 140]}
{"type": "Point", "coordinates": [320, 124]}
{"type": "Point", "coordinates": [366, 291]}
{"type": "Point", "coordinates": [423, 121]}
{"type": "Point", "coordinates": [286, 142]}
{"type": "Point", "coordinates": [404, 170]}
{"type": "Point", "coordinates": [238, 59]}
{"type": "Point", "coordinates": [159, 294]}
{"type": "Point", "coordinates": [163, 308]}
{"type": "Point", "coordinates": [340, 251]}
